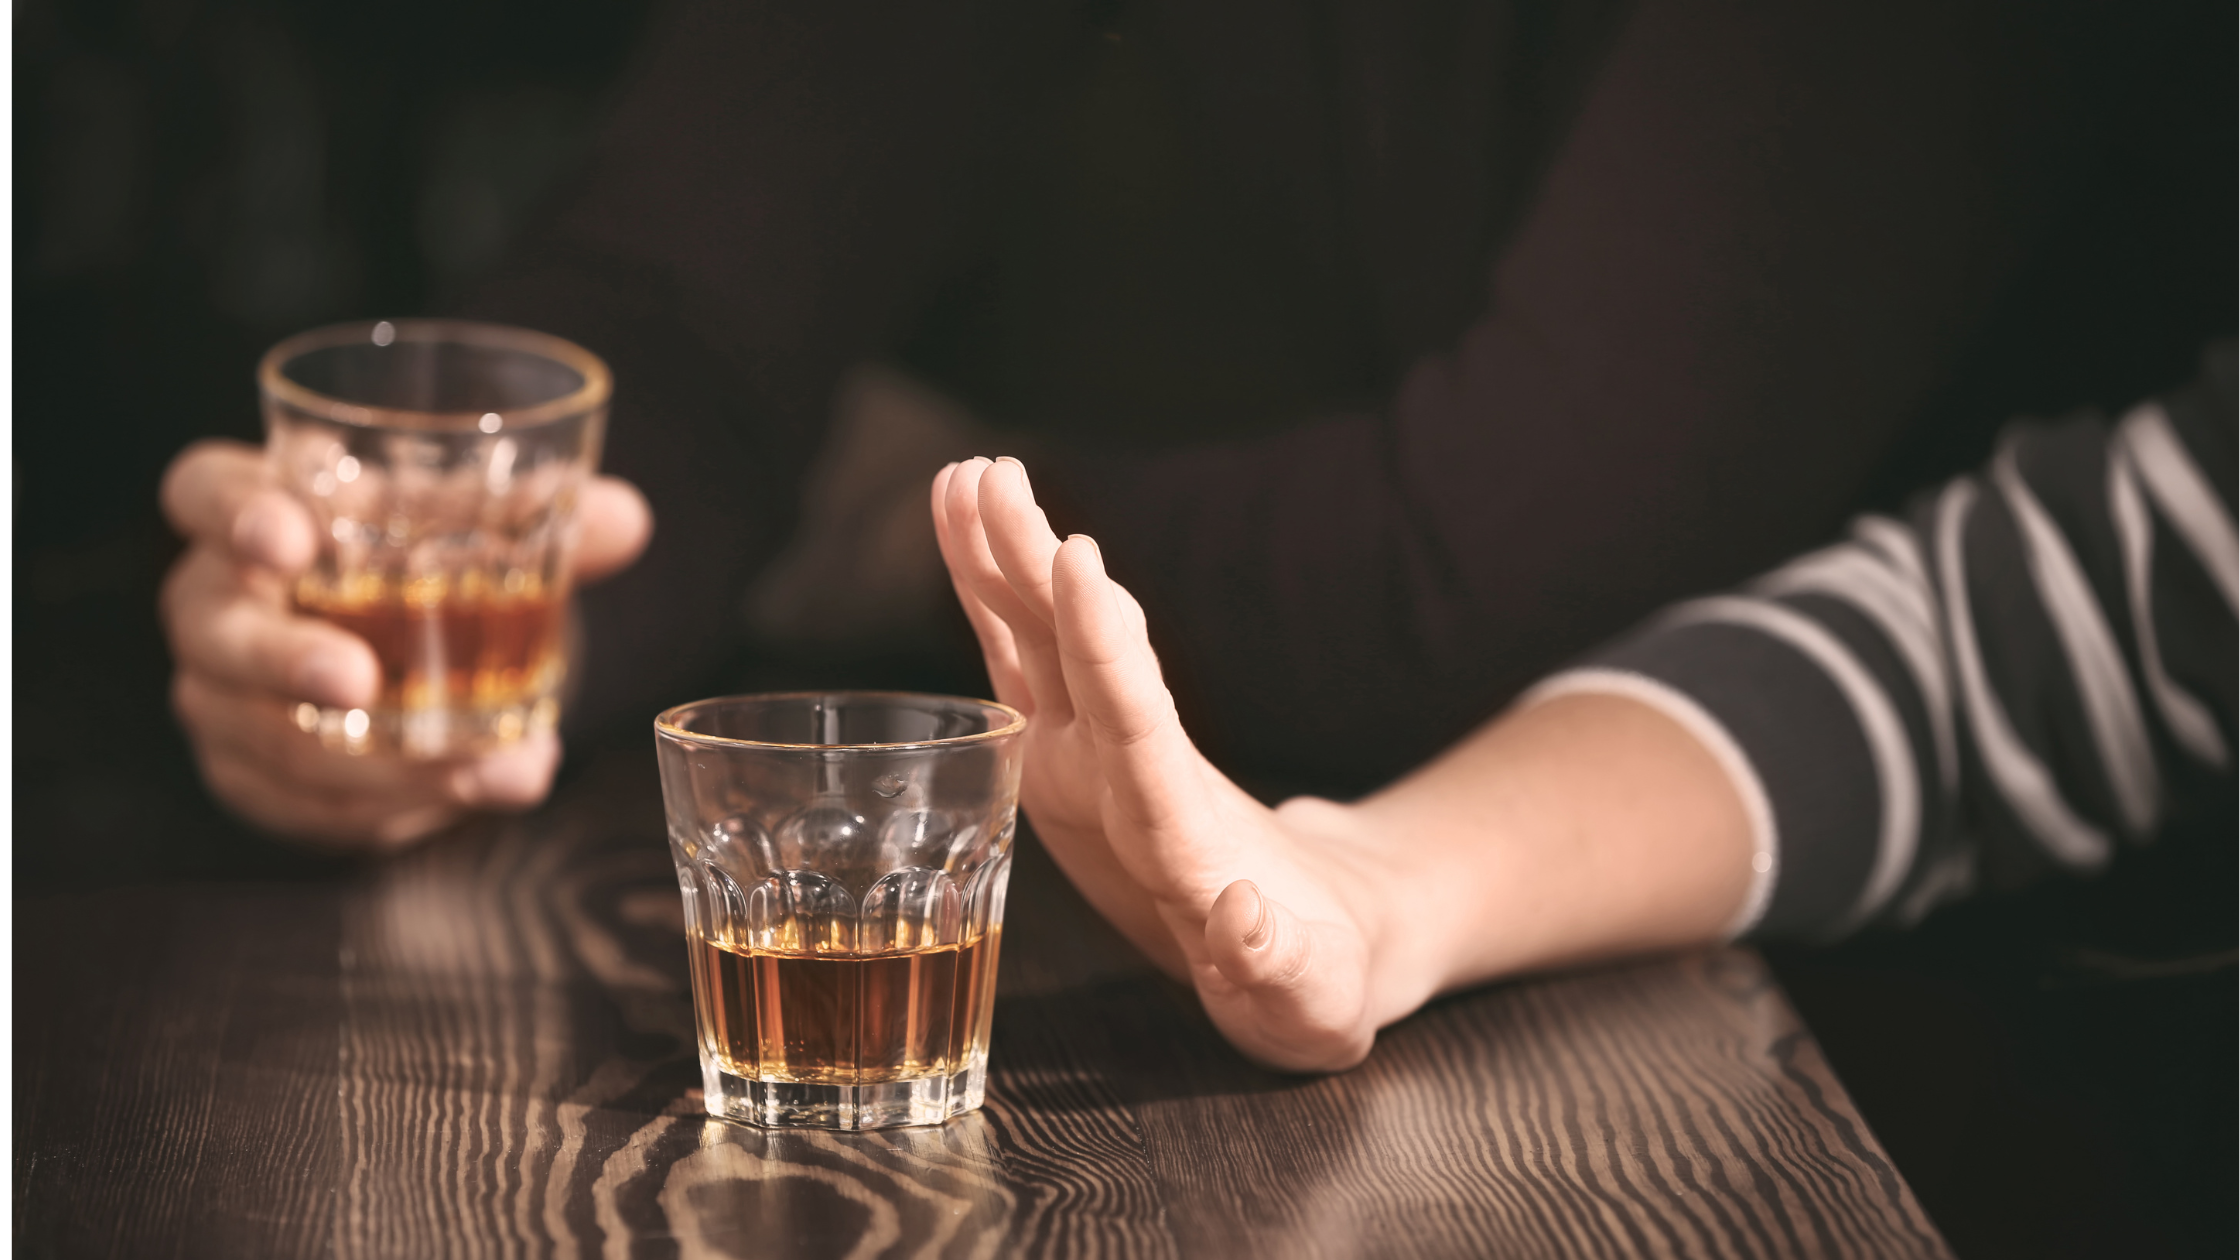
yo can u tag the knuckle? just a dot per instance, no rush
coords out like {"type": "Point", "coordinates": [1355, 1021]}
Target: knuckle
{"type": "Point", "coordinates": [221, 638]}
{"type": "Point", "coordinates": [1124, 730]}
{"type": "Point", "coordinates": [1094, 653]}
{"type": "Point", "coordinates": [184, 603]}
{"type": "Point", "coordinates": [258, 645]}
{"type": "Point", "coordinates": [171, 494]}
{"type": "Point", "coordinates": [187, 701]}
{"type": "Point", "coordinates": [178, 584]}
{"type": "Point", "coordinates": [190, 475]}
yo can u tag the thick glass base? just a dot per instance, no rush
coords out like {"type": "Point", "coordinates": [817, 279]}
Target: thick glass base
{"type": "Point", "coordinates": [429, 733]}
{"type": "Point", "coordinates": [796, 1105]}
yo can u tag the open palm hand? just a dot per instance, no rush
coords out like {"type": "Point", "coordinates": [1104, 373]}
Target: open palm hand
{"type": "Point", "coordinates": [1274, 915]}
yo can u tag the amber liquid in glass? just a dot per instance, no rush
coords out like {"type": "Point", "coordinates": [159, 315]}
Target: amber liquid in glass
{"type": "Point", "coordinates": [463, 641]}
{"type": "Point", "coordinates": [846, 1019]}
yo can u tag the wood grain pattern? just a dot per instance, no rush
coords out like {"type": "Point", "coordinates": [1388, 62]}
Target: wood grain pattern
{"type": "Point", "coordinates": [483, 1049]}
{"type": "Point", "coordinates": [174, 1091]}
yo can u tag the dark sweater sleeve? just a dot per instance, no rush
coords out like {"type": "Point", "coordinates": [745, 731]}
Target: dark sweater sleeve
{"type": "Point", "coordinates": [2027, 670]}
{"type": "Point", "coordinates": [1767, 232]}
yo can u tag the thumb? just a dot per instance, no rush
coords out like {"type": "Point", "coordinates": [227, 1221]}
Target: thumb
{"type": "Point", "coordinates": [1295, 997]}
{"type": "Point", "coordinates": [1255, 942]}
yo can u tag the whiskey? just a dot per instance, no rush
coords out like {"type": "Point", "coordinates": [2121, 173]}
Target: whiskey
{"type": "Point", "coordinates": [846, 1019]}
{"type": "Point", "coordinates": [481, 652]}
{"type": "Point", "coordinates": [458, 639]}
{"type": "Point", "coordinates": [843, 903]}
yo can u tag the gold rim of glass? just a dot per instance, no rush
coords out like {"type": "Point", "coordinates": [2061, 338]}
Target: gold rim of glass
{"type": "Point", "coordinates": [664, 723]}
{"type": "Point", "coordinates": [597, 385]}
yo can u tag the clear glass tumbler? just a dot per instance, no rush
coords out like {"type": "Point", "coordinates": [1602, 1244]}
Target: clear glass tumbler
{"type": "Point", "coordinates": [441, 462]}
{"type": "Point", "coordinates": [843, 858]}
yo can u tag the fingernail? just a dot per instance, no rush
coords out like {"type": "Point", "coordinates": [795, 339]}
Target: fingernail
{"type": "Point", "coordinates": [1006, 459]}
{"type": "Point", "coordinates": [1263, 923]}
{"type": "Point", "coordinates": [1092, 545]}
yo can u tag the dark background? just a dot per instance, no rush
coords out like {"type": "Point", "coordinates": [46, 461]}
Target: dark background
{"type": "Point", "coordinates": [2055, 1074]}
{"type": "Point", "coordinates": [194, 180]}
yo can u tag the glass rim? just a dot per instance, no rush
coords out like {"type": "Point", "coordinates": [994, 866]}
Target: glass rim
{"type": "Point", "coordinates": [597, 387]}
{"type": "Point", "coordinates": [664, 723]}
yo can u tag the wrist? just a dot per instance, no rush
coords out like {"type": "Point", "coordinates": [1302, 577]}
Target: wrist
{"type": "Point", "coordinates": [1387, 894]}
{"type": "Point", "coordinates": [1579, 829]}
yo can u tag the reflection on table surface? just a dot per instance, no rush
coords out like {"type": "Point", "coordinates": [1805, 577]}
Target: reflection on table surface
{"type": "Point", "coordinates": [484, 1049]}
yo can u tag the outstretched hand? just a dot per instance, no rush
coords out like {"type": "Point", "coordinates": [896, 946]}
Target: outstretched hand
{"type": "Point", "coordinates": [1278, 917]}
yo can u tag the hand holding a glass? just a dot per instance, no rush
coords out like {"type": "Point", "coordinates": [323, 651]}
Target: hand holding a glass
{"type": "Point", "coordinates": [325, 674]}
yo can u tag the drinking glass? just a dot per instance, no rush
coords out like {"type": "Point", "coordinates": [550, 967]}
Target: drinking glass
{"type": "Point", "coordinates": [441, 463]}
{"type": "Point", "coordinates": [843, 858]}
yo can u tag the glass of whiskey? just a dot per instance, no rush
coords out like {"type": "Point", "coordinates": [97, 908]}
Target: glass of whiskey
{"type": "Point", "coordinates": [843, 858]}
{"type": "Point", "coordinates": [441, 462]}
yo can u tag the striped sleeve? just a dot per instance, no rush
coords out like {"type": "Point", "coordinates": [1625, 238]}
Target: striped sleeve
{"type": "Point", "coordinates": [2017, 678]}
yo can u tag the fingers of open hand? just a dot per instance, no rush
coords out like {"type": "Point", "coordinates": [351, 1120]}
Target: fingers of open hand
{"type": "Point", "coordinates": [616, 523]}
{"type": "Point", "coordinates": [999, 649]}
{"type": "Point", "coordinates": [242, 638]}
{"type": "Point", "coordinates": [1153, 769]}
{"type": "Point", "coordinates": [973, 565]}
{"type": "Point", "coordinates": [1285, 990]}
{"type": "Point", "coordinates": [1018, 534]}
{"type": "Point", "coordinates": [996, 644]}
{"type": "Point", "coordinates": [969, 558]}
{"type": "Point", "coordinates": [219, 494]}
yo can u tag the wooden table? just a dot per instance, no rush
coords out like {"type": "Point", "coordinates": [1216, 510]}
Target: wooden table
{"type": "Point", "coordinates": [483, 1049]}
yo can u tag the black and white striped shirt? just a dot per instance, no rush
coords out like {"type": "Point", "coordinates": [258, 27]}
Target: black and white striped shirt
{"type": "Point", "coordinates": [2017, 678]}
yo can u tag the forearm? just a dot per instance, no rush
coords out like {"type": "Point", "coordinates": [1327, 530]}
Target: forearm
{"type": "Point", "coordinates": [1579, 828]}
{"type": "Point", "coordinates": [1872, 729]}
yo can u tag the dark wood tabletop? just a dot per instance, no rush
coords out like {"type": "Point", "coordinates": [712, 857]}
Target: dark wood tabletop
{"type": "Point", "coordinates": [483, 1049]}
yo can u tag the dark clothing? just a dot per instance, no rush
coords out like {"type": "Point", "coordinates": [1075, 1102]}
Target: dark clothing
{"type": "Point", "coordinates": [1535, 338]}
{"type": "Point", "coordinates": [1397, 351]}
